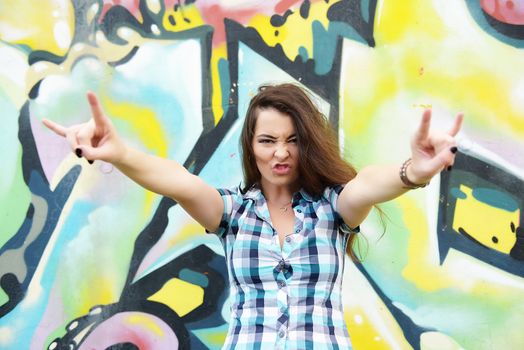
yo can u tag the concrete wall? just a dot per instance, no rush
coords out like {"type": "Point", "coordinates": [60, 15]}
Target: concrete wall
{"type": "Point", "coordinates": [89, 258]}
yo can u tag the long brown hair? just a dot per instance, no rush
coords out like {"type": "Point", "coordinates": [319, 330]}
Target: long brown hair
{"type": "Point", "coordinates": [320, 162]}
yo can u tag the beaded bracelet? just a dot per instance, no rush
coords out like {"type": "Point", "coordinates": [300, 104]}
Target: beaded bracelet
{"type": "Point", "coordinates": [404, 177]}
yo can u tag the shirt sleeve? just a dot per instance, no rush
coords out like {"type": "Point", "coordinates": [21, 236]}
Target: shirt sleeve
{"type": "Point", "coordinates": [228, 197]}
{"type": "Point", "coordinates": [331, 194]}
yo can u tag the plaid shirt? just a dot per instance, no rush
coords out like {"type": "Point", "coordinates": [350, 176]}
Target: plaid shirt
{"type": "Point", "coordinates": [289, 297]}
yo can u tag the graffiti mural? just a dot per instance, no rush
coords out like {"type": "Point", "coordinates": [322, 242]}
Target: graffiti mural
{"type": "Point", "coordinates": [89, 260]}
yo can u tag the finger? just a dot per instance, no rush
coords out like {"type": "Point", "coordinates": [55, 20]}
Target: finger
{"type": "Point", "coordinates": [57, 128]}
{"type": "Point", "coordinates": [458, 124]}
{"type": "Point", "coordinates": [91, 153]}
{"type": "Point", "coordinates": [442, 160]}
{"type": "Point", "coordinates": [73, 142]}
{"type": "Point", "coordinates": [83, 137]}
{"type": "Point", "coordinates": [423, 130]}
{"type": "Point", "coordinates": [96, 110]}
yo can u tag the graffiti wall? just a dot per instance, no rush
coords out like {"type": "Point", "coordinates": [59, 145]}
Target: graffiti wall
{"type": "Point", "coordinates": [89, 260]}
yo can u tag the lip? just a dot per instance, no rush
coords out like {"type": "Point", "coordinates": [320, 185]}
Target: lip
{"type": "Point", "coordinates": [281, 169]}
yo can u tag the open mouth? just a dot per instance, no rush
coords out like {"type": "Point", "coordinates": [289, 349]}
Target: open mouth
{"type": "Point", "coordinates": [281, 169]}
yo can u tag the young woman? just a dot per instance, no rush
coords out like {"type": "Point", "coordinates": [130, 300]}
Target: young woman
{"type": "Point", "coordinates": [286, 229]}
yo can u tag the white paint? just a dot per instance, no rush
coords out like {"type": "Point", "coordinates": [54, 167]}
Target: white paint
{"type": "Point", "coordinates": [154, 6]}
{"type": "Point", "coordinates": [240, 57]}
{"type": "Point", "coordinates": [471, 271]}
{"type": "Point", "coordinates": [13, 66]}
{"type": "Point", "coordinates": [155, 30]}
{"type": "Point", "coordinates": [124, 33]}
{"type": "Point", "coordinates": [6, 337]}
{"type": "Point", "coordinates": [91, 13]}
{"type": "Point", "coordinates": [517, 96]}
{"type": "Point", "coordinates": [62, 34]}
{"type": "Point", "coordinates": [10, 33]}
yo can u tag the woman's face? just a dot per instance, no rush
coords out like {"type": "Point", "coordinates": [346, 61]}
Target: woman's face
{"type": "Point", "coordinates": [275, 148]}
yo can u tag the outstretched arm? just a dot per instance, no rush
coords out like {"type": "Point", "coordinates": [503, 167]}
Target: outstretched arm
{"type": "Point", "coordinates": [98, 140]}
{"type": "Point", "coordinates": [431, 152]}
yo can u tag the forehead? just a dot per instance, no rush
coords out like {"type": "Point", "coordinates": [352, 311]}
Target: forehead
{"type": "Point", "coordinates": [272, 122]}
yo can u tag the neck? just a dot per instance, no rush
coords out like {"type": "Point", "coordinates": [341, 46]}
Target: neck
{"type": "Point", "coordinates": [278, 195]}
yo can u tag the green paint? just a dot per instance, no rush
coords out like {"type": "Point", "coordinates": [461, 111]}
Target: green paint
{"type": "Point", "coordinates": [213, 338]}
{"type": "Point", "coordinates": [4, 298]}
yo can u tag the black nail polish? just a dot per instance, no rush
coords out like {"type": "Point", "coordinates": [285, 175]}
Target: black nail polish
{"type": "Point", "coordinates": [449, 168]}
{"type": "Point", "coordinates": [78, 152]}
{"type": "Point", "coordinates": [90, 161]}
{"type": "Point", "coordinates": [453, 149]}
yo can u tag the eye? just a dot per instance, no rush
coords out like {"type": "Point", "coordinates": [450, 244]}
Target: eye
{"type": "Point", "coordinates": [265, 141]}
{"type": "Point", "coordinates": [293, 140]}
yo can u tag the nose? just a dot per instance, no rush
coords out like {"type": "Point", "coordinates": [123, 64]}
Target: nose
{"type": "Point", "coordinates": [281, 151]}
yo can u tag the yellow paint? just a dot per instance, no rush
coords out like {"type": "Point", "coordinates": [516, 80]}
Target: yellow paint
{"type": "Point", "coordinates": [218, 53]}
{"type": "Point", "coordinates": [420, 270]}
{"type": "Point", "coordinates": [367, 334]}
{"type": "Point", "coordinates": [97, 290]}
{"type": "Point", "coordinates": [187, 17]}
{"type": "Point", "coordinates": [147, 322]}
{"type": "Point", "coordinates": [26, 22]}
{"type": "Point", "coordinates": [179, 295]}
{"type": "Point", "coordinates": [186, 233]}
{"type": "Point", "coordinates": [296, 32]}
{"type": "Point", "coordinates": [483, 221]}
{"type": "Point", "coordinates": [397, 20]}
{"type": "Point", "coordinates": [144, 124]}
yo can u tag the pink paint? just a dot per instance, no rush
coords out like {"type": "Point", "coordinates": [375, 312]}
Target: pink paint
{"type": "Point", "coordinates": [51, 148]}
{"type": "Point", "coordinates": [125, 327]}
{"type": "Point", "coordinates": [52, 319]}
{"type": "Point", "coordinates": [130, 5]}
{"type": "Point", "coordinates": [506, 11]}
{"type": "Point", "coordinates": [284, 5]}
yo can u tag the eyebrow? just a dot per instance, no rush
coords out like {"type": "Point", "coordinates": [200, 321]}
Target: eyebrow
{"type": "Point", "coordinates": [273, 137]}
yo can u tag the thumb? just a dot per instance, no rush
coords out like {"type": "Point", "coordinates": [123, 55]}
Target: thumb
{"type": "Point", "coordinates": [441, 160]}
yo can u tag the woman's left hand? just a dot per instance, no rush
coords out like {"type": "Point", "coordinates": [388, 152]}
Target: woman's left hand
{"type": "Point", "coordinates": [432, 151]}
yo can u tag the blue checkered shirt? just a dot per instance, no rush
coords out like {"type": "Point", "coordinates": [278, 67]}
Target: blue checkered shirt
{"type": "Point", "coordinates": [289, 297]}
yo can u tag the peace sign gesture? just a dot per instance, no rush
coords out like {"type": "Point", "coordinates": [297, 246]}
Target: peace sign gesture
{"type": "Point", "coordinates": [431, 152]}
{"type": "Point", "coordinates": [95, 139]}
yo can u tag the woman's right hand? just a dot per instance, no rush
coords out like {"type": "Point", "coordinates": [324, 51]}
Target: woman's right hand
{"type": "Point", "coordinates": [96, 139]}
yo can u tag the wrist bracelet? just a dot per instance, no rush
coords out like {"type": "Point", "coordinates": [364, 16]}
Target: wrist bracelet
{"type": "Point", "coordinates": [404, 177]}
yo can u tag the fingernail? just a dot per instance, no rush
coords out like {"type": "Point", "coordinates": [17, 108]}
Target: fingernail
{"type": "Point", "coordinates": [90, 161]}
{"type": "Point", "coordinates": [449, 168]}
{"type": "Point", "coordinates": [78, 152]}
{"type": "Point", "coordinates": [453, 149]}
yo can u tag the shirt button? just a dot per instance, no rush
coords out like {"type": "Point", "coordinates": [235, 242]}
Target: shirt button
{"type": "Point", "coordinates": [281, 284]}
{"type": "Point", "coordinates": [281, 334]}
{"type": "Point", "coordinates": [297, 230]}
{"type": "Point", "coordinates": [288, 239]}
{"type": "Point", "coordinates": [299, 211]}
{"type": "Point", "coordinates": [283, 309]}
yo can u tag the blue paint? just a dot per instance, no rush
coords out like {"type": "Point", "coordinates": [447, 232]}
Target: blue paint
{"type": "Point", "coordinates": [302, 51]}
{"type": "Point", "coordinates": [364, 9]}
{"type": "Point", "coordinates": [324, 45]}
{"type": "Point", "coordinates": [457, 193]}
{"type": "Point", "coordinates": [495, 198]}
{"type": "Point", "coordinates": [225, 83]}
{"type": "Point", "coordinates": [194, 277]}
{"type": "Point", "coordinates": [32, 313]}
